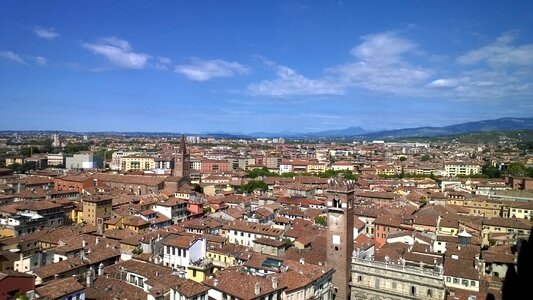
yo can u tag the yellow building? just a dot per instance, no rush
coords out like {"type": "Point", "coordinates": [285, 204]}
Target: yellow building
{"type": "Point", "coordinates": [521, 210]}
{"type": "Point", "coordinates": [316, 168]}
{"type": "Point", "coordinates": [136, 163]}
{"type": "Point", "coordinates": [14, 160]}
{"type": "Point", "coordinates": [223, 257]}
{"type": "Point", "coordinates": [95, 208]}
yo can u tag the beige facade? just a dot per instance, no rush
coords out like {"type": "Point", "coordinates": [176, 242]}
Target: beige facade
{"type": "Point", "coordinates": [136, 163]}
{"type": "Point", "coordinates": [316, 168]}
{"type": "Point", "coordinates": [381, 280]}
{"type": "Point", "coordinates": [96, 208]}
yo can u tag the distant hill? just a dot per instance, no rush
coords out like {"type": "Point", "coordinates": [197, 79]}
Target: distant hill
{"type": "Point", "coordinates": [503, 124]}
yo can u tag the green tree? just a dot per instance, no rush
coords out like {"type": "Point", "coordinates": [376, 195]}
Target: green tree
{"type": "Point", "coordinates": [321, 220]}
{"type": "Point", "coordinates": [27, 166]}
{"type": "Point", "coordinates": [403, 158]}
{"type": "Point", "coordinates": [490, 171]}
{"type": "Point", "coordinates": [28, 151]}
{"type": "Point", "coordinates": [425, 157]}
{"type": "Point", "coordinates": [198, 188]}
{"type": "Point", "coordinates": [15, 167]}
{"type": "Point", "coordinates": [287, 242]}
{"type": "Point", "coordinates": [263, 172]}
{"type": "Point", "coordinates": [517, 169]}
{"type": "Point", "coordinates": [253, 185]}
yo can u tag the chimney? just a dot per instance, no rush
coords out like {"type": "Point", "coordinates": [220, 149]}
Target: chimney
{"type": "Point", "coordinates": [215, 282]}
{"type": "Point", "coordinates": [97, 240]}
{"type": "Point", "coordinates": [257, 289]}
{"type": "Point", "coordinates": [302, 261]}
{"type": "Point", "coordinates": [274, 283]}
{"type": "Point", "coordinates": [90, 276]}
{"type": "Point", "coordinates": [83, 244]}
{"type": "Point", "coordinates": [100, 269]}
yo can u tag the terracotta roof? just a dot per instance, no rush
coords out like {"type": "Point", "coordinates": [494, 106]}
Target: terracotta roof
{"type": "Point", "coordinates": [460, 268]}
{"type": "Point", "coordinates": [180, 241]}
{"type": "Point", "coordinates": [60, 288]}
{"type": "Point", "coordinates": [225, 281]}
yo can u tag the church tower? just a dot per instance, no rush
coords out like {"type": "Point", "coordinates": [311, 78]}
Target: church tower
{"type": "Point", "coordinates": [340, 210]}
{"type": "Point", "coordinates": [182, 161]}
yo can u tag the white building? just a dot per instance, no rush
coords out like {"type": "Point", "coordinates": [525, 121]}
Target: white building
{"type": "Point", "coordinates": [183, 251]}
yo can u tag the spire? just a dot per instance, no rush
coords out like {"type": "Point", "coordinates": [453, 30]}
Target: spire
{"type": "Point", "coordinates": [183, 150]}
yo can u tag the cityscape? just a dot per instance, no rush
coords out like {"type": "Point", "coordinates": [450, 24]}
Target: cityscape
{"type": "Point", "coordinates": [285, 150]}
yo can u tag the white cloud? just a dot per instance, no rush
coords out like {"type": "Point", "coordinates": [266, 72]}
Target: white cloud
{"type": "Point", "coordinates": [379, 66]}
{"type": "Point", "coordinates": [289, 82]}
{"type": "Point", "coordinates": [443, 83]}
{"type": "Point", "coordinates": [12, 57]}
{"type": "Point", "coordinates": [45, 33]}
{"type": "Point", "coordinates": [383, 49]}
{"type": "Point", "coordinates": [500, 53]}
{"type": "Point", "coordinates": [40, 60]}
{"type": "Point", "coordinates": [203, 70]}
{"type": "Point", "coordinates": [119, 53]}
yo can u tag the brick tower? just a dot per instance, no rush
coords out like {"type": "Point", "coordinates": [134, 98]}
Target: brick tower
{"type": "Point", "coordinates": [182, 161]}
{"type": "Point", "coordinates": [340, 209]}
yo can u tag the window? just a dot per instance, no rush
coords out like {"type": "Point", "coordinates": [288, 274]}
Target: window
{"type": "Point", "coordinates": [413, 290]}
{"type": "Point", "coordinates": [455, 280]}
{"type": "Point", "coordinates": [193, 273]}
{"type": "Point", "coordinates": [430, 293]}
{"type": "Point", "coordinates": [472, 283]}
{"type": "Point", "coordinates": [394, 285]}
{"type": "Point", "coordinates": [359, 278]}
{"type": "Point", "coordinates": [464, 282]}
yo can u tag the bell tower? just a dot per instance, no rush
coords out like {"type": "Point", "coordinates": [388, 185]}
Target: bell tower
{"type": "Point", "coordinates": [340, 210]}
{"type": "Point", "coordinates": [182, 161]}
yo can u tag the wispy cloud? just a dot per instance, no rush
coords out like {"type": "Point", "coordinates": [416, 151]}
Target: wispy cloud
{"type": "Point", "coordinates": [203, 70]}
{"type": "Point", "coordinates": [289, 82]}
{"type": "Point", "coordinates": [163, 63]}
{"type": "Point", "coordinates": [379, 66]}
{"type": "Point", "coordinates": [118, 52]}
{"type": "Point", "coordinates": [502, 71]}
{"type": "Point", "coordinates": [11, 56]}
{"type": "Point", "coordinates": [45, 33]}
{"type": "Point", "coordinates": [500, 53]}
{"type": "Point", "coordinates": [41, 61]}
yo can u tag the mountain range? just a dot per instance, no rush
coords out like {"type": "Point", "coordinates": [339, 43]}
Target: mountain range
{"type": "Point", "coordinates": [502, 124]}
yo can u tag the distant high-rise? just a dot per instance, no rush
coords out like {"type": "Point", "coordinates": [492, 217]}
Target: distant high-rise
{"type": "Point", "coordinates": [340, 212]}
{"type": "Point", "coordinates": [55, 140]}
{"type": "Point", "coordinates": [182, 164]}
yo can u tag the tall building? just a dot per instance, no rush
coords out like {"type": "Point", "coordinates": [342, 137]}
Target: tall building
{"type": "Point", "coordinates": [97, 207]}
{"type": "Point", "coordinates": [340, 210]}
{"type": "Point", "coordinates": [55, 140]}
{"type": "Point", "coordinates": [182, 164]}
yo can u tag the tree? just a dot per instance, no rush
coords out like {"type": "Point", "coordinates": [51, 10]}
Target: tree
{"type": "Point", "coordinates": [425, 157]}
{"type": "Point", "coordinates": [321, 220]}
{"type": "Point", "coordinates": [253, 185]}
{"type": "Point", "coordinates": [287, 242]}
{"type": "Point", "coordinates": [28, 151]}
{"type": "Point", "coordinates": [517, 169]}
{"type": "Point", "coordinates": [490, 171]}
{"type": "Point", "coordinates": [263, 172]}
{"type": "Point", "coordinates": [403, 158]}
{"type": "Point", "coordinates": [198, 188]}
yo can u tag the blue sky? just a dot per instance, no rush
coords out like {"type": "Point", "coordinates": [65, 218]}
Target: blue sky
{"type": "Point", "coordinates": [247, 66]}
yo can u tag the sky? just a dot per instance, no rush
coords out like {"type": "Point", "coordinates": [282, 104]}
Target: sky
{"type": "Point", "coordinates": [262, 66]}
